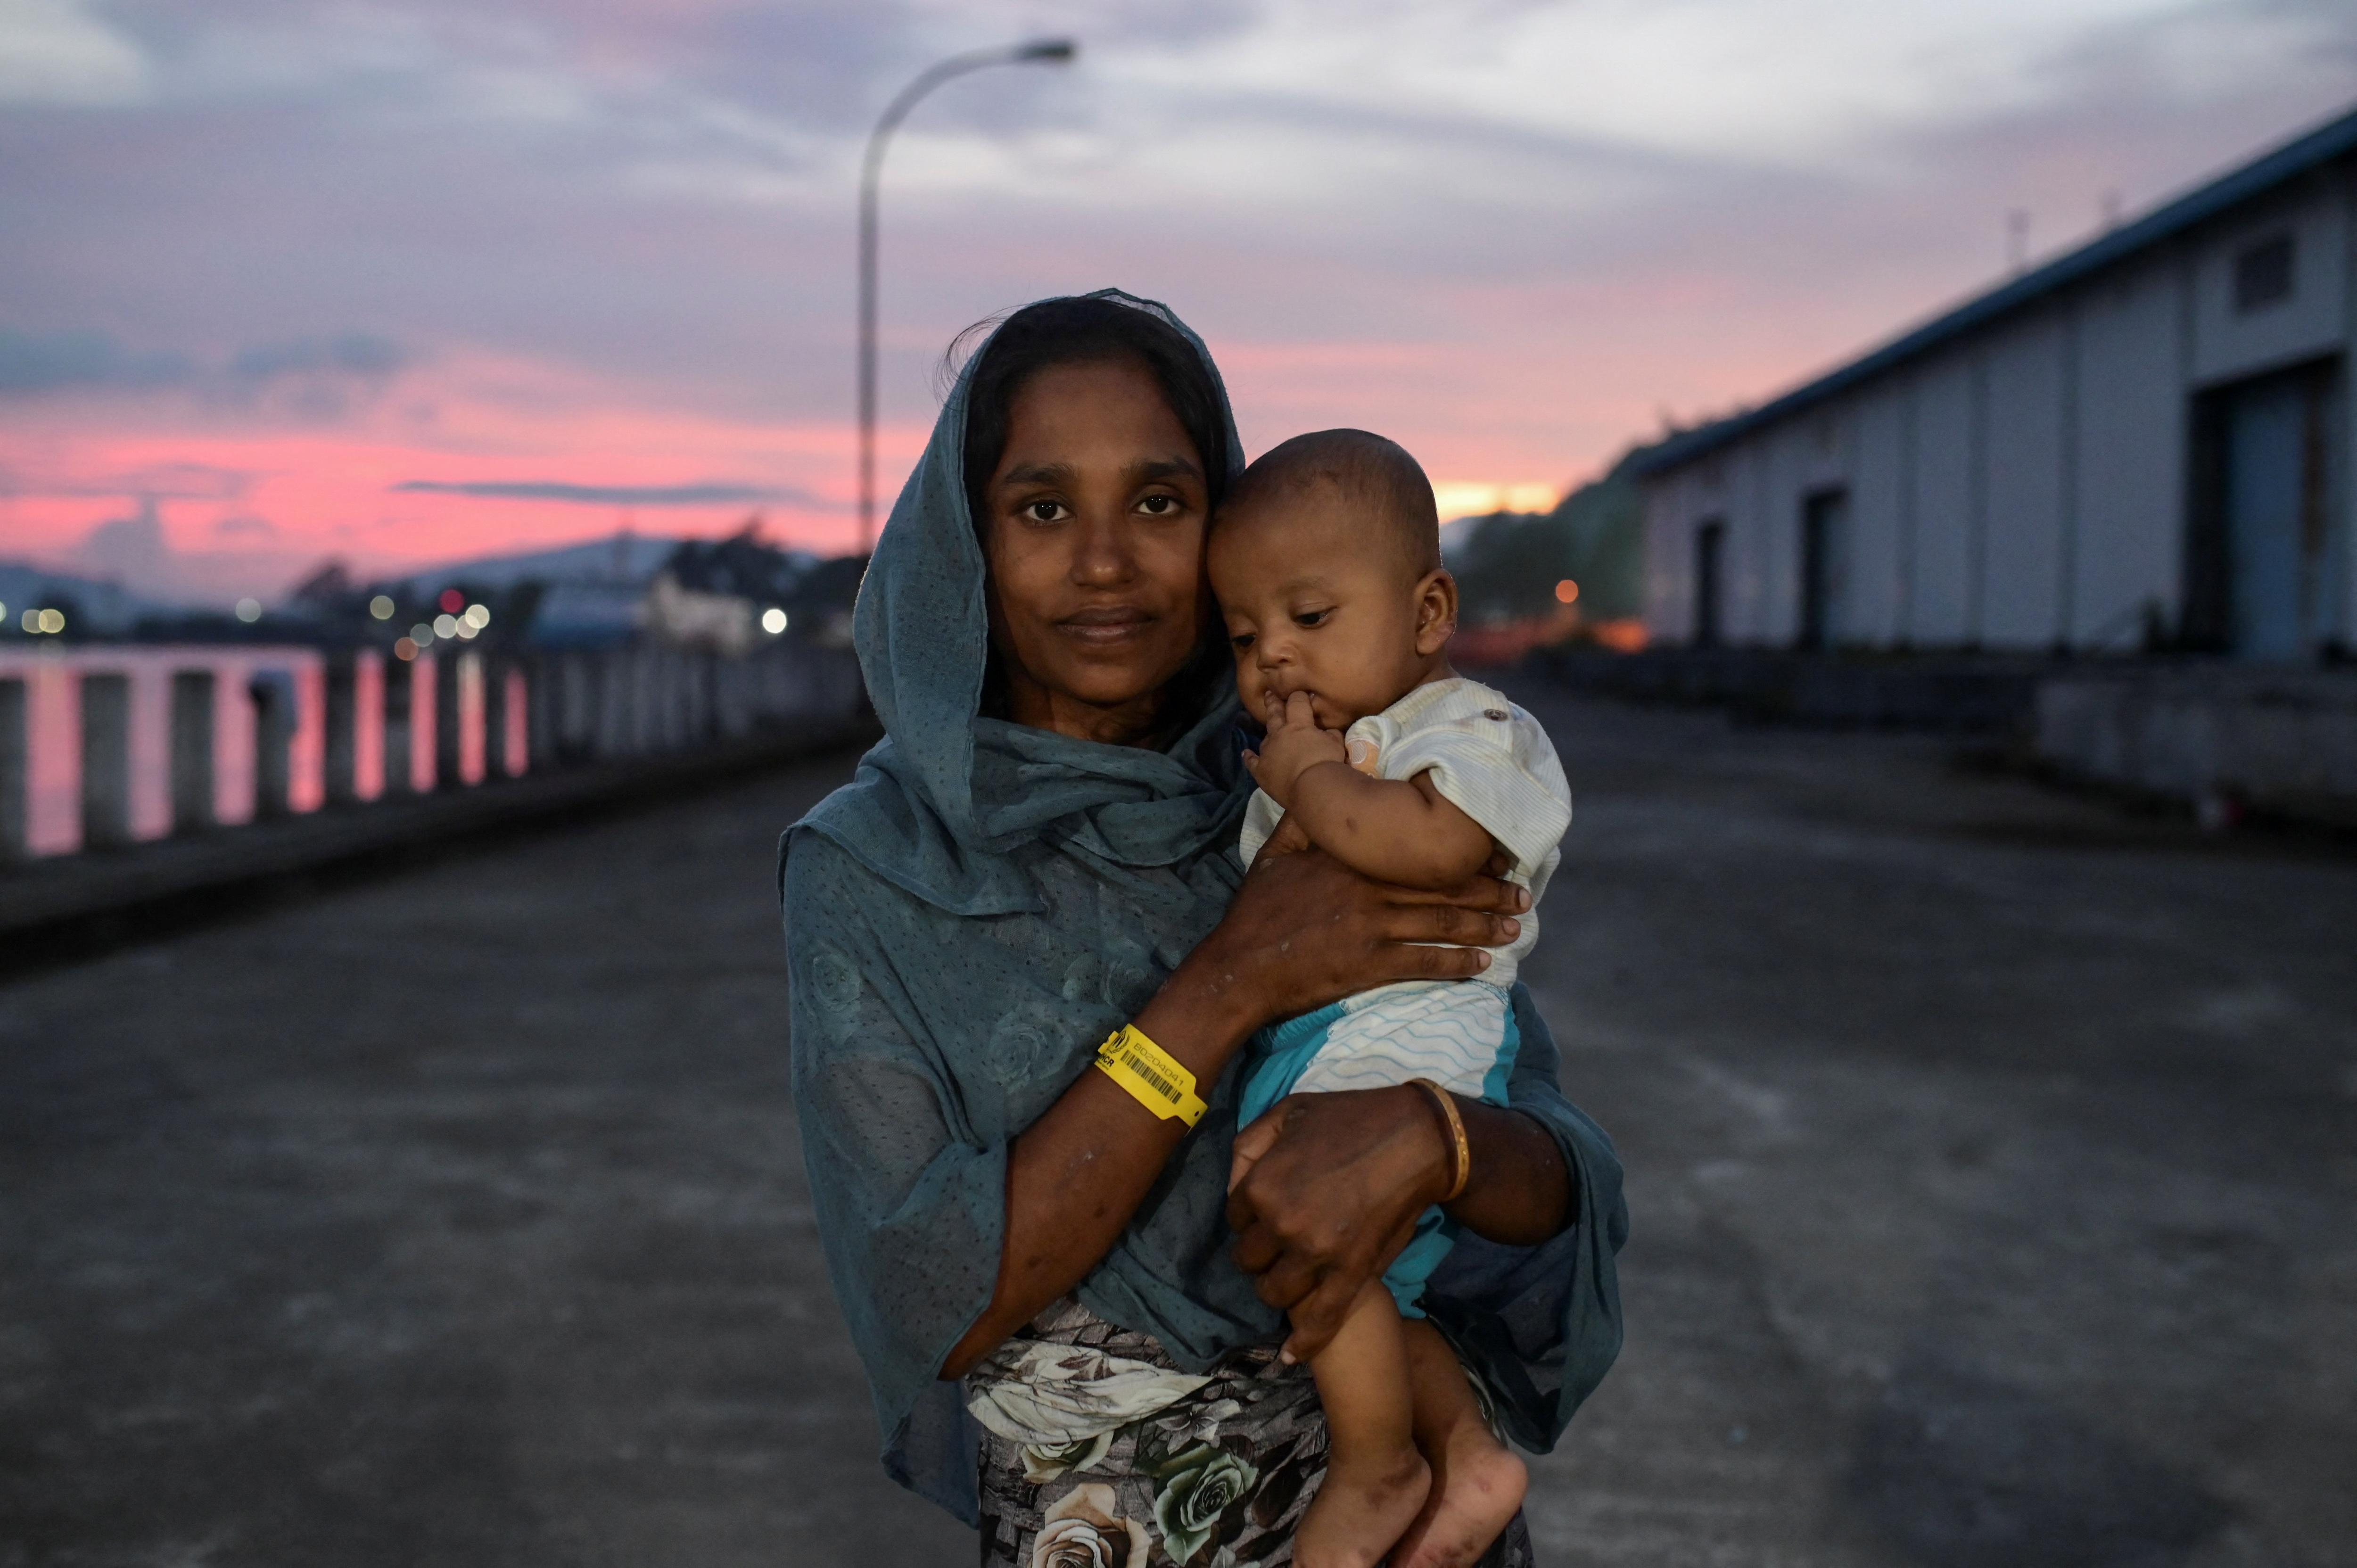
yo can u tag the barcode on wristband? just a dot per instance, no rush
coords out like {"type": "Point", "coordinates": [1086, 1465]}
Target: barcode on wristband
{"type": "Point", "coordinates": [1156, 1083]}
{"type": "Point", "coordinates": [1168, 1089]}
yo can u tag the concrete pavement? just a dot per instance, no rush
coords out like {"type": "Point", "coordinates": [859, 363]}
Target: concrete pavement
{"type": "Point", "coordinates": [1992, 1155]}
{"type": "Point", "coordinates": [454, 1220]}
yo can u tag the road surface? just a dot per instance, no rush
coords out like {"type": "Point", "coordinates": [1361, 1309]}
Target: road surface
{"type": "Point", "coordinates": [1991, 1156]}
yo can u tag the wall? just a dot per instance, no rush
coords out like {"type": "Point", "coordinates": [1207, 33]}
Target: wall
{"type": "Point", "coordinates": [2130, 450]}
{"type": "Point", "coordinates": [1872, 602]}
{"type": "Point", "coordinates": [2024, 485]}
{"type": "Point", "coordinates": [2021, 533]}
{"type": "Point", "coordinates": [2228, 345]}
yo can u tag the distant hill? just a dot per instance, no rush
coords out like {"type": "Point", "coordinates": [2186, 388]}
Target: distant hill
{"type": "Point", "coordinates": [91, 603]}
{"type": "Point", "coordinates": [596, 593]}
{"type": "Point", "coordinates": [616, 558]}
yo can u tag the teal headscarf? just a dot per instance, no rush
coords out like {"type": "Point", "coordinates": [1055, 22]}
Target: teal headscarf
{"type": "Point", "coordinates": [968, 918]}
{"type": "Point", "coordinates": [953, 794]}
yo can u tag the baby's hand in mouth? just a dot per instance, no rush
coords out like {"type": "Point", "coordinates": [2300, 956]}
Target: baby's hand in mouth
{"type": "Point", "coordinates": [1295, 745]}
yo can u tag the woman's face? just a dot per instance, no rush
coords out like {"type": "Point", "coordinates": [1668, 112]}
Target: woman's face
{"type": "Point", "coordinates": [1097, 514]}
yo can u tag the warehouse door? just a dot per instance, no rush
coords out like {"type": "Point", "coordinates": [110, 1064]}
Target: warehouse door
{"type": "Point", "coordinates": [1824, 522]}
{"type": "Point", "coordinates": [1709, 578]}
{"type": "Point", "coordinates": [2258, 580]}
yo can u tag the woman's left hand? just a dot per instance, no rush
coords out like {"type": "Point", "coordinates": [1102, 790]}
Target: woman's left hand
{"type": "Point", "coordinates": [1325, 1189]}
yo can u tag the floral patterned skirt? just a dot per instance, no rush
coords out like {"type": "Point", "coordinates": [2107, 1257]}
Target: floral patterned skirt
{"type": "Point", "coordinates": [1219, 1479]}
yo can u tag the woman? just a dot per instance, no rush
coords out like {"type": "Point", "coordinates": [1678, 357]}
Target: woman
{"type": "Point", "coordinates": [1071, 1328]}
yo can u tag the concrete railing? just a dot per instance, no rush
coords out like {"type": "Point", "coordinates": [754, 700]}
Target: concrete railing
{"type": "Point", "coordinates": [1957, 693]}
{"type": "Point", "coordinates": [107, 744]}
{"type": "Point", "coordinates": [2281, 741]}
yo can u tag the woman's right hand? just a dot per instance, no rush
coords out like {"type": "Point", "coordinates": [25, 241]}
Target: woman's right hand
{"type": "Point", "coordinates": [1306, 931]}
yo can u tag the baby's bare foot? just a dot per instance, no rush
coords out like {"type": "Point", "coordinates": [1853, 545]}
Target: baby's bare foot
{"type": "Point", "coordinates": [1477, 1488]}
{"type": "Point", "coordinates": [1360, 1509]}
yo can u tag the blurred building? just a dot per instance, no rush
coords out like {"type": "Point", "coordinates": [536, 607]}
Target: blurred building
{"type": "Point", "coordinates": [723, 593]}
{"type": "Point", "coordinates": [587, 615]}
{"type": "Point", "coordinates": [2144, 443]}
{"type": "Point", "coordinates": [87, 606]}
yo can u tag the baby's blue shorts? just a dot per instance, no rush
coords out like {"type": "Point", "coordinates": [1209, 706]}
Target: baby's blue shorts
{"type": "Point", "coordinates": [1279, 1054]}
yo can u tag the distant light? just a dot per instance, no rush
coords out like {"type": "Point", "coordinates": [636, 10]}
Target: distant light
{"type": "Point", "coordinates": [4, 613]}
{"type": "Point", "coordinates": [249, 610]}
{"type": "Point", "coordinates": [32, 621]}
{"type": "Point", "coordinates": [773, 620]}
{"type": "Point", "coordinates": [477, 616]}
{"type": "Point", "coordinates": [405, 648]}
{"type": "Point", "coordinates": [53, 621]}
{"type": "Point", "coordinates": [421, 634]}
{"type": "Point", "coordinates": [1567, 591]}
{"type": "Point", "coordinates": [452, 600]}
{"type": "Point", "coordinates": [466, 631]}
{"type": "Point", "coordinates": [381, 607]}
{"type": "Point", "coordinates": [446, 626]}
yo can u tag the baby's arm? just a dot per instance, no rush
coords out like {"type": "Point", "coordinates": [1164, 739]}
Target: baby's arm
{"type": "Point", "coordinates": [1395, 830]}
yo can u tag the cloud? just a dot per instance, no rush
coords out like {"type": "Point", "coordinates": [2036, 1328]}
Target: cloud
{"type": "Point", "coordinates": [162, 481]}
{"type": "Point", "coordinates": [54, 51]}
{"type": "Point", "coordinates": [308, 381]}
{"type": "Point", "coordinates": [135, 553]}
{"type": "Point", "coordinates": [130, 547]}
{"type": "Point", "coordinates": [31, 365]}
{"type": "Point", "coordinates": [311, 376]}
{"type": "Point", "coordinates": [352, 354]}
{"type": "Point", "coordinates": [710, 493]}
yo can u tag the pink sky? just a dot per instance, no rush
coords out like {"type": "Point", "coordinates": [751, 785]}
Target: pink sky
{"type": "Point", "coordinates": [270, 262]}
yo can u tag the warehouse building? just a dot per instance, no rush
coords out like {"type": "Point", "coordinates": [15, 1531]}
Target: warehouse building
{"type": "Point", "coordinates": [2144, 443]}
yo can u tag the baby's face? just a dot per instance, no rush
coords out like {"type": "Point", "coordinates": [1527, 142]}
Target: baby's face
{"type": "Point", "coordinates": [1319, 601]}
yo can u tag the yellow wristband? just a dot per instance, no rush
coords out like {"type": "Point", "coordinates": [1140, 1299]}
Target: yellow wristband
{"type": "Point", "coordinates": [1153, 1076]}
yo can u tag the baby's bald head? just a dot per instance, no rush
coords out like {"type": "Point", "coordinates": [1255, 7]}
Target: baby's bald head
{"type": "Point", "coordinates": [1382, 487]}
{"type": "Point", "coordinates": [1326, 561]}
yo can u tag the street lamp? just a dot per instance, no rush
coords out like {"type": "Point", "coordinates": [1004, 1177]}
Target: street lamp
{"type": "Point", "coordinates": [1057, 51]}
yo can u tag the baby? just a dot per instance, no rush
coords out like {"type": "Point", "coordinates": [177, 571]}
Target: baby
{"type": "Point", "coordinates": [1325, 559]}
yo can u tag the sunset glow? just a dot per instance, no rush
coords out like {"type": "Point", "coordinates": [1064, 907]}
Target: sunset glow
{"type": "Point", "coordinates": [391, 484]}
{"type": "Point", "coordinates": [414, 283]}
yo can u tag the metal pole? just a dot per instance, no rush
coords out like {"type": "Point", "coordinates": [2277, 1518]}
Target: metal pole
{"type": "Point", "coordinates": [1052, 51]}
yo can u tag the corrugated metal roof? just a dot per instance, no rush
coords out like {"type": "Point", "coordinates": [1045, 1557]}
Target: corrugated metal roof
{"type": "Point", "coordinates": [2288, 162]}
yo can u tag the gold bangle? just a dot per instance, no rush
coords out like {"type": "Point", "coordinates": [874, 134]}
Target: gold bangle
{"type": "Point", "coordinates": [1154, 1077]}
{"type": "Point", "coordinates": [1460, 1150]}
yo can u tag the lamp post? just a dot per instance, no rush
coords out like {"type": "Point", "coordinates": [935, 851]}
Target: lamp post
{"type": "Point", "coordinates": [1048, 50]}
